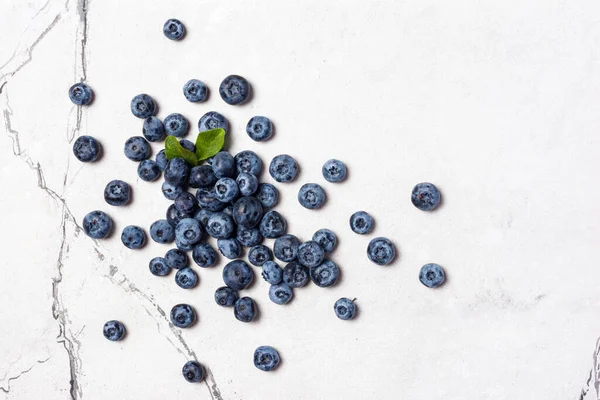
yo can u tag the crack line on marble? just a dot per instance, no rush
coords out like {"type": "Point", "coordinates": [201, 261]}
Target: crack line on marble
{"type": "Point", "coordinates": [596, 368]}
{"type": "Point", "coordinates": [20, 374]}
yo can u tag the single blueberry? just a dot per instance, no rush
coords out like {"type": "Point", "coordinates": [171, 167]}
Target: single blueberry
{"type": "Point", "coordinates": [186, 144]}
{"type": "Point", "coordinates": [247, 212]}
{"type": "Point", "coordinates": [162, 160]}
{"type": "Point", "coordinates": [148, 170]}
{"type": "Point", "coordinates": [97, 224]}
{"type": "Point", "coordinates": [153, 129]}
{"type": "Point", "coordinates": [310, 254]}
{"type": "Point", "coordinates": [195, 91]}
{"type": "Point", "coordinates": [244, 309]}
{"type": "Point", "coordinates": [296, 275]}
{"type": "Point", "coordinates": [259, 254]}
{"type": "Point", "coordinates": [381, 251]}
{"type": "Point", "coordinates": [334, 171]}
{"type": "Point", "coordinates": [272, 272]}
{"type": "Point", "coordinates": [174, 29]}
{"type": "Point", "coordinates": [186, 278]}
{"type": "Point", "coordinates": [158, 266]}
{"type": "Point", "coordinates": [176, 125]}
{"type": "Point", "coordinates": [177, 259]}
{"type": "Point", "coordinates": [326, 239]}
{"type": "Point", "coordinates": [234, 90]}
{"type": "Point", "coordinates": [273, 225]}
{"type": "Point", "coordinates": [87, 149]}
{"type": "Point", "coordinates": [133, 237]}
{"type": "Point", "coordinates": [212, 120]}
{"type": "Point", "coordinates": [114, 330]}
{"type": "Point", "coordinates": [247, 161]}
{"type": "Point", "coordinates": [345, 308]}
{"type": "Point", "coordinates": [248, 237]}
{"type": "Point", "coordinates": [188, 232]}
{"type": "Point", "coordinates": [432, 275]}
{"type": "Point", "coordinates": [207, 199]}
{"type": "Point", "coordinates": [193, 371]}
{"type": "Point", "coordinates": [247, 183]}
{"type": "Point", "coordinates": [202, 176]}
{"type": "Point", "coordinates": [325, 274]}
{"type": "Point", "coordinates": [223, 165]}
{"type": "Point", "coordinates": [177, 172]}
{"type": "Point", "coordinates": [281, 293]}
{"type": "Point", "coordinates": [80, 94]}
{"type": "Point", "coordinates": [226, 190]}
{"type": "Point", "coordinates": [259, 128]}
{"type": "Point", "coordinates": [173, 215]}
{"type": "Point", "coordinates": [220, 226]}
{"type": "Point", "coordinates": [183, 315]}
{"type": "Point", "coordinates": [229, 248]}
{"type": "Point", "coordinates": [283, 168]}
{"type": "Point", "coordinates": [171, 191]}
{"type": "Point", "coordinates": [186, 203]}
{"type": "Point", "coordinates": [268, 195]}
{"type": "Point", "coordinates": [266, 358]}
{"type": "Point", "coordinates": [143, 106]}
{"type": "Point", "coordinates": [203, 215]}
{"type": "Point", "coordinates": [162, 232]}
{"type": "Point", "coordinates": [286, 247]}
{"type": "Point", "coordinates": [226, 296]}
{"type": "Point", "coordinates": [425, 196]}
{"type": "Point", "coordinates": [137, 148]}
{"type": "Point", "coordinates": [117, 193]}
{"type": "Point", "coordinates": [361, 223]}
{"type": "Point", "coordinates": [237, 275]}
{"type": "Point", "coordinates": [311, 196]}
{"type": "Point", "coordinates": [204, 255]}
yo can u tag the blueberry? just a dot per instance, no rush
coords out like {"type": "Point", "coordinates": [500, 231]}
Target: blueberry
{"type": "Point", "coordinates": [188, 232]}
{"type": "Point", "coordinates": [117, 193]}
{"type": "Point", "coordinates": [310, 254]}
{"type": "Point", "coordinates": [226, 190]}
{"type": "Point", "coordinates": [344, 308]}
{"type": "Point", "coordinates": [248, 237]}
{"type": "Point", "coordinates": [204, 255]}
{"type": "Point", "coordinates": [273, 225]}
{"type": "Point", "coordinates": [186, 203]}
{"type": "Point", "coordinates": [114, 330]}
{"type": "Point", "coordinates": [281, 293]}
{"type": "Point", "coordinates": [361, 223]}
{"type": "Point", "coordinates": [186, 278]}
{"type": "Point", "coordinates": [176, 125]}
{"type": "Point", "coordinates": [80, 94]}
{"type": "Point", "coordinates": [202, 176]}
{"type": "Point", "coordinates": [183, 315]}
{"type": "Point", "coordinates": [148, 170]}
{"type": "Point", "coordinates": [247, 212]}
{"type": "Point", "coordinates": [195, 91]}
{"type": "Point", "coordinates": [247, 161]}
{"type": "Point", "coordinates": [174, 29]}
{"type": "Point", "coordinates": [381, 251]}
{"type": "Point", "coordinates": [259, 254]}
{"type": "Point", "coordinates": [171, 191]}
{"type": "Point", "coordinates": [286, 247]}
{"type": "Point", "coordinates": [177, 259]}
{"type": "Point", "coordinates": [229, 210]}
{"type": "Point", "coordinates": [229, 248]}
{"type": "Point", "coordinates": [182, 245]}
{"type": "Point", "coordinates": [174, 216]}
{"type": "Point", "coordinates": [177, 172]}
{"type": "Point", "coordinates": [237, 275]}
{"type": "Point", "coordinates": [87, 149]}
{"type": "Point", "coordinates": [203, 215]}
{"type": "Point", "coordinates": [266, 358]}
{"type": "Point", "coordinates": [311, 196]}
{"type": "Point", "coordinates": [220, 226]}
{"type": "Point", "coordinates": [283, 168]}
{"type": "Point", "coordinates": [432, 275]}
{"type": "Point", "coordinates": [97, 224]}
{"type": "Point", "coordinates": [226, 296]}
{"type": "Point", "coordinates": [325, 274]}
{"type": "Point", "coordinates": [153, 129]}
{"type": "Point", "coordinates": [234, 90]}
{"type": "Point", "coordinates": [137, 148]}
{"type": "Point", "coordinates": [207, 199]}
{"type": "Point", "coordinates": [334, 171]}
{"type": "Point", "coordinates": [271, 272]}
{"type": "Point", "coordinates": [186, 144]}
{"type": "Point", "coordinates": [425, 196]}
{"type": "Point", "coordinates": [193, 371]}
{"type": "Point", "coordinates": [143, 106]}
{"type": "Point", "coordinates": [296, 275]}
{"type": "Point", "coordinates": [158, 266]}
{"type": "Point", "coordinates": [133, 237]}
{"type": "Point", "coordinates": [259, 128]}
{"type": "Point", "coordinates": [162, 232]}
{"type": "Point", "coordinates": [247, 183]}
{"type": "Point", "coordinates": [268, 195]}
{"type": "Point", "coordinates": [223, 165]}
{"type": "Point", "coordinates": [212, 120]}
{"type": "Point", "coordinates": [244, 309]}
{"type": "Point", "coordinates": [326, 239]}
{"type": "Point", "coordinates": [161, 160]}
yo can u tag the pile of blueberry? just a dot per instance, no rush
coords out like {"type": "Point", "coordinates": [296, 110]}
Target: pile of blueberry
{"type": "Point", "coordinates": [230, 205]}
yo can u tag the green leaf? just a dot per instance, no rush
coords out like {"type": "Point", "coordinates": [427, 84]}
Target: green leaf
{"type": "Point", "coordinates": [209, 143]}
{"type": "Point", "coordinates": [174, 149]}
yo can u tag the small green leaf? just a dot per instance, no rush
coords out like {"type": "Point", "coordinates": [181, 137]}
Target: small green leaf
{"type": "Point", "coordinates": [209, 143]}
{"type": "Point", "coordinates": [174, 149]}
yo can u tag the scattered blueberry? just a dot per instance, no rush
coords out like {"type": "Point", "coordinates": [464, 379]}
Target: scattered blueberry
{"type": "Point", "coordinates": [137, 148]}
{"type": "Point", "coordinates": [273, 225]}
{"type": "Point", "coordinates": [204, 255]}
{"type": "Point", "coordinates": [295, 274]}
{"type": "Point", "coordinates": [148, 170]}
{"type": "Point", "coordinates": [311, 196]}
{"type": "Point", "coordinates": [266, 358]}
{"type": "Point", "coordinates": [171, 191]}
{"type": "Point", "coordinates": [247, 161]}
{"type": "Point", "coordinates": [80, 94]}
{"type": "Point", "coordinates": [425, 196]}
{"type": "Point", "coordinates": [174, 29]}
{"type": "Point", "coordinates": [195, 91]}
{"type": "Point", "coordinates": [259, 254]}
{"type": "Point", "coordinates": [248, 237]}
{"type": "Point", "coordinates": [193, 371]}
{"type": "Point", "coordinates": [186, 203]}
{"type": "Point", "coordinates": [237, 275]}
{"type": "Point", "coordinates": [334, 171]}
{"type": "Point", "coordinates": [229, 248]}
{"type": "Point", "coordinates": [381, 251]}
{"type": "Point", "coordinates": [186, 144]}
{"type": "Point", "coordinates": [162, 160]}
{"type": "Point", "coordinates": [212, 120]}
{"type": "Point", "coordinates": [361, 223]}
{"type": "Point", "coordinates": [226, 190]}
{"type": "Point", "coordinates": [281, 293]}
{"type": "Point", "coordinates": [162, 232]}
{"type": "Point", "coordinates": [177, 259]}
{"type": "Point", "coordinates": [142, 106]}
{"type": "Point", "coordinates": [183, 246]}
{"type": "Point", "coordinates": [226, 296]}
{"type": "Point", "coordinates": [117, 193]}
{"type": "Point", "coordinates": [177, 172]}
{"type": "Point", "coordinates": [186, 278]}
{"type": "Point", "coordinates": [203, 215]}
{"type": "Point", "coordinates": [432, 275]}
{"type": "Point", "coordinates": [244, 309]}
{"type": "Point", "coordinates": [97, 224]}
{"type": "Point", "coordinates": [153, 129]}
{"type": "Point", "coordinates": [310, 254]}
{"type": "Point", "coordinates": [259, 128]}
{"type": "Point", "coordinates": [202, 176]}
{"type": "Point", "coordinates": [133, 237]}
{"type": "Point", "coordinates": [326, 239]}
{"type": "Point", "coordinates": [344, 308]}
{"type": "Point", "coordinates": [247, 212]}
{"type": "Point", "coordinates": [114, 330]}
{"type": "Point", "coordinates": [223, 165]}
{"type": "Point", "coordinates": [283, 168]}
{"type": "Point", "coordinates": [173, 216]}
{"type": "Point", "coordinates": [286, 247]}
{"type": "Point", "coordinates": [234, 90]}
{"type": "Point", "coordinates": [158, 266]}
{"type": "Point", "coordinates": [268, 195]}
{"type": "Point", "coordinates": [247, 183]}
{"type": "Point", "coordinates": [271, 272]}
{"type": "Point", "coordinates": [183, 315]}
{"type": "Point", "coordinates": [207, 199]}
{"type": "Point", "coordinates": [87, 149]}
{"type": "Point", "coordinates": [325, 274]}
{"type": "Point", "coordinates": [220, 226]}
{"type": "Point", "coordinates": [176, 125]}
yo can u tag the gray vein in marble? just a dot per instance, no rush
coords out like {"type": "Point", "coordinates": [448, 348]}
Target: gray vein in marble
{"type": "Point", "coordinates": [596, 368]}
{"type": "Point", "coordinates": [6, 388]}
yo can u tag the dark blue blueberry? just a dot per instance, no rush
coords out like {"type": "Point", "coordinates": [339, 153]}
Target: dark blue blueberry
{"type": "Point", "coordinates": [202, 176]}
{"type": "Point", "coordinates": [212, 120]}
{"type": "Point", "coordinates": [281, 293]}
{"type": "Point", "coordinates": [188, 232]}
{"type": "Point", "coordinates": [326, 239]}
{"type": "Point", "coordinates": [114, 330]}
{"type": "Point", "coordinates": [171, 191]}
{"type": "Point", "coordinates": [247, 161]}
{"type": "Point", "coordinates": [186, 278]}
{"type": "Point", "coordinates": [344, 308]}
{"type": "Point", "coordinates": [142, 106]}
{"type": "Point", "coordinates": [193, 371]}
{"type": "Point", "coordinates": [248, 237]}
{"type": "Point", "coordinates": [361, 223]}
{"type": "Point", "coordinates": [186, 144]}
{"type": "Point", "coordinates": [162, 232]}
{"type": "Point", "coordinates": [334, 171]}
{"type": "Point", "coordinates": [162, 160]}
{"type": "Point", "coordinates": [432, 275]}
{"type": "Point", "coordinates": [153, 129]}
{"type": "Point", "coordinates": [259, 254]}
{"type": "Point", "coordinates": [186, 203]}
{"type": "Point", "coordinates": [80, 94]}
{"type": "Point", "coordinates": [158, 266]}
{"type": "Point", "coordinates": [247, 212]}
{"type": "Point", "coordinates": [195, 90]}
{"type": "Point", "coordinates": [325, 274]}
{"type": "Point", "coordinates": [234, 90]}
{"type": "Point", "coordinates": [117, 193]}
{"type": "Point", "coordinates": [87, 149]}
{"type": "Point", "coordinates": [177, 172]}
{"type": "Point", "coordinates": [381, 251]}
{"type": "Point", "coordinates": [97, 224]}
{"type": "Point", "coordinates": [273, 225]}
{"type": "Point", "coordinates": [247, 183]}
{"type": "Point", "coordinates": [220, 226]}
{"type": "Point", "coordinates": [272, 272]}
{"type": "Point", "coordinates": [259, 128]}
{"type": "Point", "coordinates": [226, 190]}
{"type": "Point", "coordinates": [177, 259]}
{"type": "Point", "coordinates": [174, 216]}
{"type": "Point", "coordinates": [296, 275]}
{"type": "Point", "coordinates": [229, 248]}
{"type": "Point", "coordinates": [286, 247]}
{"type": "Point", "coordinates": [237, 275]}
{"type": "Point", "coordinates": [310, 254]}
{"type": "Point", "coordinates": [311, 196]}
{"type": "Point", "coordinates": [207, 199]}
{"type": "Point", "coordinates": [204, 255]}
{"type": "Point", "coordinates": [226, 296]}
{"type": "Point", "coordinates": [425, 196]}
{"type": "Point", "coordinates": [229, 210]}
{"type": "Point", "coordinates": [266, 358]}
{"type": "Point", "coordinates": [223, 165]}
{"type": "Point", "coordinates": [176, 125]}
{"type": "Point", "coordinates": [244, 309]}
{"type": "Point", "coordinates": [203, 215]}
{"type": "Point", "coordinates": [267, 194]}
{"type": "Point", "coordinates": [174, 29]}
{"type": "Point", "coordinates": [137, 148]}
{"type": "Point", "coordinates": [148, 170]}
{"type": "Point", "coordinates": [183, 315]}
{"type": "Point", "coordinates": [283, 168]}
{"type": "Point", "coordinates": [133, 237]}
{"type": "Point", "coordinates": [182, 245]}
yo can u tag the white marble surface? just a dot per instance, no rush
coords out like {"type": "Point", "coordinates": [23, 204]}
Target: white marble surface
{"type": "Point", "coordinates": [495, 102]}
